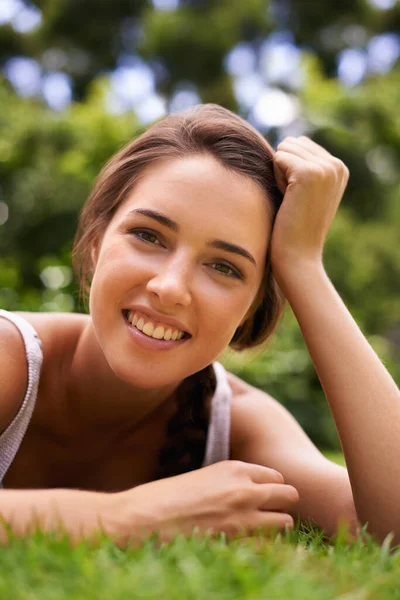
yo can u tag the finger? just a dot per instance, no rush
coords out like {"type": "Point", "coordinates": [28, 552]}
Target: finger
{"type": "Point", "coordinates": [267, 523]}
{"type": "Point", "coordinates": [280, 178]}
{"type": "Point", "coordinates": [272, 521]}
{"type": "Point", "coordinates": [277, 497]}
{"type": "Point", "coordinates": [289, 164]}
{"type": "Point", "coordinates": [326, 157]}
{"type": "Point", "coordinates": [313, 147]}
{"type": "Point", "coordinates": [261, 474]}
{"type": "Point", "coordinates": [301, 150]}
{"type": "Point", "coordinates": [309, 145]}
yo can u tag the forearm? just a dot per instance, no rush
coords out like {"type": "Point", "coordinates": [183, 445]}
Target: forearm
{"type": "Point", "coordinates": [79, 514]}
{"type": "Point", "coordinates": [364, 399]}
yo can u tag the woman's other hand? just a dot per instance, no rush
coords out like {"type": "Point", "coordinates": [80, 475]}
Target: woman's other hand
{"type": "Point", "coordinates": [313, 182]}
{"type": "Point", "coordinates": [233, 497]}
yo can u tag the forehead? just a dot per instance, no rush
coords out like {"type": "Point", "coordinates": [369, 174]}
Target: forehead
{"type": "Point", "coordinates": [200, 194]}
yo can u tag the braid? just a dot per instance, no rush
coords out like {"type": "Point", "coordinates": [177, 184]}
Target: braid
{"type": "Point", "coordinates": [187, 429]}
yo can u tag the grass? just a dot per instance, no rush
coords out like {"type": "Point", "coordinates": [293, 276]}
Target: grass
{"type": "Point", "coordinates": [299, 564]}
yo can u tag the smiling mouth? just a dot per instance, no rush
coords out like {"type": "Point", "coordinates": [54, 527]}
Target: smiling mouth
{"type": "Point", "coordinates": [151, 330]}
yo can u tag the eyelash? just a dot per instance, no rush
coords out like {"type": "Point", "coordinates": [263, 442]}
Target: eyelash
{"type": "Point", "coordinates": [138, 232]}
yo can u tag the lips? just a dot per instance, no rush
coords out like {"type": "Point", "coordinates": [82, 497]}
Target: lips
{"type": "Point", "coordinates": [157, 318]}
{"type": "Point", "coordinates": [150, 343]}
{"type": "Point", "coordinates": [148, 327]}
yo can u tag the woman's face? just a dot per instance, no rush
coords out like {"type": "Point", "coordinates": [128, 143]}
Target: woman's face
{"type": "Point", "coordinates": [200, 263]}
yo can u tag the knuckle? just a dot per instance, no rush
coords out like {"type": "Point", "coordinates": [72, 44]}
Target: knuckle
{"type": "Point", "coordinates": [338, 166]}
{"type": "Point", "coordinates": [338, 163]}
{"type": "Point", "coordinates": [331, 170]}
{"type": "Point", "coordinates": [322, 172]}
{"type": "Point", "coordinates": [279, 156]}
{"type": "Point", "coordinates": [342, 168]}
{"type": "Point", "coordinates": [239, 498]}
{"type": "Point", "coordinates": [237, 466]}
{"type": "Point", "coordinates": [279, 149]}
{"type": "Point", "coordinates": [285, 143]}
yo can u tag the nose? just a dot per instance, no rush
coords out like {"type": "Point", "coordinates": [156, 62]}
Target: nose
{"type": "Point", "coordinates": [171, 284]}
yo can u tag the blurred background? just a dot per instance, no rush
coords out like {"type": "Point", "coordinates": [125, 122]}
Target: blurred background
{"type": "Point", "coordinates": [79, 78]}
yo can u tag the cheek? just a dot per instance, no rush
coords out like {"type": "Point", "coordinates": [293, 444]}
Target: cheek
{"type": "Point", "coordinates": [114, 269]}
{"type": "Point", "coordinates": [222, 313]}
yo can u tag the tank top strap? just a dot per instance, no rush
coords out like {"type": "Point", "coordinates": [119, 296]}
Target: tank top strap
{"type": "Point", "coordinates": [11, 438]}
{"type": "Point", "coordinates": [218, 442]}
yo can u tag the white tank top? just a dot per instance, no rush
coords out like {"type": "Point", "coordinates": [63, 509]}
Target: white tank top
{"type": "Point", "coordinates": [217, 445]}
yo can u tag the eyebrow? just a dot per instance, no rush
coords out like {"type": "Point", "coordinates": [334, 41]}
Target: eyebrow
{"type": "Point", "coordinates": [215, 243]}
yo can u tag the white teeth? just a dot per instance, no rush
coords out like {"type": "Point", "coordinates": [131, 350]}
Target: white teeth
{"type": "Point", "coordinates": [158, 333]}
{"type": "Point", "coordinates": [148, 329]}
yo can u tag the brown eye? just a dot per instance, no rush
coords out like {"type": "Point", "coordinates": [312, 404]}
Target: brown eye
{"type": "Point", "coordinates": [146, 236]}
{"type": "Point", "coordinates": [226, 270]}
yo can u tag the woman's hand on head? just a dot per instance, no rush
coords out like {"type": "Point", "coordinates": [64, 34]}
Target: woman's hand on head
{"type": "Point", "coordinates": [313, 182]}
{"type": "Point", "coordinates": [233, 497]}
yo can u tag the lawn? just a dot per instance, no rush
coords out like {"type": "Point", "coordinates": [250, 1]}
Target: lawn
{"type": "Point", "coordinates": [300, 564]}
{"type": "Point", "coordinates": [296, 565]}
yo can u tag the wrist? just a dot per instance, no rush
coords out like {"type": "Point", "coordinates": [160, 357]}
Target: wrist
{"type": "Point", "coordinates": [112, 516]}
{"type": "Point", "coordinates": [300, 278]}
{"type": "Point", "coordinates": [129, 516]}
{"type": "Point", "coordinates": [297, 270]}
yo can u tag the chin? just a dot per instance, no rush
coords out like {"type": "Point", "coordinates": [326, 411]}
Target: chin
{"type": "Point", "coordinates": [144, 374]}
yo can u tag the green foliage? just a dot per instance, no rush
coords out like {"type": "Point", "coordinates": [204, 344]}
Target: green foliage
{"type": "Point", "coordinates": [47, 168]}
{"type": "Point", "coordinates": [194, 41]}
{"type": "Point", "coordinates": [299, 564]}
{"type": "Point", "coordinates": [48, 161]}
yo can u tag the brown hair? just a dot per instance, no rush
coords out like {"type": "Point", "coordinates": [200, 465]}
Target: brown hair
{"type": "Point", "coordinates": [204, 129]}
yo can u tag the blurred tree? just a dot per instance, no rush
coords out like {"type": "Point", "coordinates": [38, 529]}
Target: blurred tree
{"type": "Point", "coordinates": [49, 159]}
{"type": "Point", "coordinates": [187, 39]}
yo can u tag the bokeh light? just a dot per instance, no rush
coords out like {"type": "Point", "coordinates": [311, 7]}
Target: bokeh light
{"type": "Point", "coordinates": [165, 4]}
{"type": "Point", "coordinates": [352, 66]}
{"type": "Point", "coordinates": [383, 4]}
{"type": "Point", "coordinates": [275, 108]}
{"type": "Point", "coordinates": [241, 60]}
{"type": "Point", "coordinates": [25, 75]}
{"type": "Point", "coordinates": [57, 90]}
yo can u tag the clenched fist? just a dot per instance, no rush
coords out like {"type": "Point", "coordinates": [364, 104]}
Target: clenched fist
{"type": "Point", "coordinates": [313, 182]}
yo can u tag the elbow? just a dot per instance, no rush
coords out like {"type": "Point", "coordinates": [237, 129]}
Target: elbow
{"type": "Point", "coordinates": [343, 523]}
{"type": "Point", "coordinates": [381, 530]}
{"type": "Point", "coordinates": [347, 525]}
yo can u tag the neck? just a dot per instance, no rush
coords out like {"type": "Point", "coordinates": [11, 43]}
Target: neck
{"type": "Point", "coordinates": [101, 402]}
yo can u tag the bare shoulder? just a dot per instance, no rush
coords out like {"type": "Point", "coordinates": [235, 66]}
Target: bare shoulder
{"type": "Point", "coordinates": [13, 372]}
{"type": "Point", "coordinates": [58, 332]}
{"type": "Point", "coordinates": [255, 414]}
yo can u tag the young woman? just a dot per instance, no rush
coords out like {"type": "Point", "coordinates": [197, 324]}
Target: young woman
{"type": "Point", "coordinates": [187, 245]}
